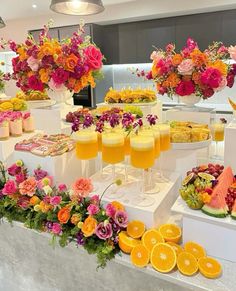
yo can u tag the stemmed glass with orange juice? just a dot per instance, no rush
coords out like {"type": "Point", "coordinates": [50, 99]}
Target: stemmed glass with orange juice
{"type": "Point", "coordinates": [217, 132]}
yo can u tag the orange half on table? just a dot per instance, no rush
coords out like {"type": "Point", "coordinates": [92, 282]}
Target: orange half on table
{"type": "Point", "coordinates": [187, 264]}
{"type": "Point", "coordinates": [140, 256]}
{"type": "Point", "coordinates": [177, 248]}
{"type": "Point", "coordinates": [195, 249]}
{"type": "Point", "coordinates": [170, 232]}
{"type": "Point", "coordinates": [152, 237]}
{"type": "Point", "coordinates": [136, 228]}
{"type": "Point", "coordinates": [209, 267]}
{"type": "Point", "coordinates": [163, 258]}
{"type": "Point", "coordinates": [127, 243]}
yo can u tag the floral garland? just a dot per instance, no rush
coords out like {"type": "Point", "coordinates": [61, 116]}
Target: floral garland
{"type": "Point", "coordinates": [69, 215]}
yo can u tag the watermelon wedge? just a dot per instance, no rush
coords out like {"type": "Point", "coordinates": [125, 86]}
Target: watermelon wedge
{"type": "Point", "coordinates": [217, 207]}
{"type": "Point", "coordinates": [233, 212]}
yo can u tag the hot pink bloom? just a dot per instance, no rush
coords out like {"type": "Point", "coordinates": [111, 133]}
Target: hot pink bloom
{"type": "Point", "coordinates": [163, 66]}
{"type": "Point", "coordinates": [28, 187]}
{"type": "Point", "coordinates": [82, 187]}
{"type": "Point", "coordinates": [35, 84]}
{"type": "Point", "coordinates": [55, 200]}
{"type": "Point", "coordinates": [230, 80]}
{"type": "Point", "coordinates": [56, 228]}
{"type": "Point", "coordinates": [103, 231]}
{"type": "Point", "coordinates": [23, 202]}
{"type": "Point", "coordinates": [211, 77]}
{"type": "Point", "coordinates": [232, 52]}
{"type": "Point", "coordinates": [93, 209]}
{"type": "Point", "coordinates": [14, 170]}
{"type": "Point", "coordinates": [60, 76]}
{"type": "Point", "coordinates": [121, 219]}
{"type": "Point", "coordinates": [33, 63]}
{"type": "Point", "coordinates": [20, 178]}
{"type": "Point", "coordinates": [93, 57]}
{"type": "Point", "coordinates": [207, 93]}
{"type": "Point", "coordinates": [62, 188]}
{"type": "Point", "coordinates": [110, 210]}
{"type": "Point", "coordinates": [9, 188]}
{"type": "Point", "coordinates": [185, 88]}
{"type": "Point", "coordinates": [186, 67]}
{"type": "Point", "coordinates": [95, 199]}
{"type": "Point", "coordinates": [222, 85]}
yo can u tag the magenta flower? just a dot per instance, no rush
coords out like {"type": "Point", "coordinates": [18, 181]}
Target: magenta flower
{"type": "Point", "coordinates": [23, 202]}
{"type": "Point", "coordinates": [103, 231]}
{"type": "Point", "coordinates": [93, 57]}
{"type": "Point", "coordinates": [62, 188]}
{"type": "Point", "coordinates": [93, 209]}
{"type": "Point", "coordinates": [95, 199]}
{"type": "Point", "coordinates": [56, 228]}
{"type": "Point", "coordinates": [40, 174]}
{"type": "Point", "coordinates": [55, 200]}
{"type": "Point", "coordinates": [35, 84]}
{"type": "Point", "coordinates": [121, 218]}
{"type": "Point", "coordinates": [14, 170]}
{"type": "Point", "coordinates": [185, 88]}
{"type": "Point", "coordinates": [9, 188]}
{"type": "Point", "coordinates": [110, 210]}
{"type": "Point", "coordinates": [211, 77]}
{"type": "Point", "coordinates": [60, 76]}
{"type": "Point", "coordinates": [20, 178]}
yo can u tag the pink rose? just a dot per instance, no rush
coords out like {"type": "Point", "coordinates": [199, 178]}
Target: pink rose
{"type": "Point", "coordinates": [9, 188]}
{"type": "Point", "coordinates": [93, 57]}
{"type": "Point", "coordinates": [56, 228]}
{"type": "Point", "coordinates": [92, 209]}
{"type": "Point", "coordinates": [156, 56]}
{"type": "Point", "coordinates": [20, 178]}
{"type": "Point", "coordinates": [110, 210]}
{"type": "Point", "coordinates": [35, 84]}
{"type": "Point", "coordinates": [95, 199]}
{"type": "Point", "coordinates": [28, 187]}
{"type": "Point", "coordinates": [232, 52]}
{"type": "Point", "coordinates": [60, 76]}
{"type": "Point", "coordinates": [33, 63]}
{"type": "Point", "coordinates": [82, 187]}
{"type": "Point", "coordinates": [185, 67]}
{"type": "Point", "coordinates": [211, 77]}
{"type": "Point", "coordinates": [222, 85]}
{"type": "Point", "coordinates": [55, 200]}
{"type": "Point", "coordinates": [23, 202]}
{"type": "Point", "coordinates": [62, 188]}
{"type": "Point", "coordinates": [14, 170]}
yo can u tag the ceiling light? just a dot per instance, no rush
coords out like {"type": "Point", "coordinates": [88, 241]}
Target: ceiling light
{"type": "Point", "coordinates": [34, 6]}
{"type": "Point", "coordinates": [77, 7]}
{"type": "Point", "coordinates": [2, 23]}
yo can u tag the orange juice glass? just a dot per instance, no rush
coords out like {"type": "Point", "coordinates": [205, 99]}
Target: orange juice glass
{"type": "Point", "coordinates": [218, 131]}
{"type": "Point", "coordinates": [113, 150]}
{"type": "Point", "coordinates": [86, 144]}
{"type": "Point", "coordinates": [142, 153]}
{"type": "Point", "coordinates": [153, 132]}
{"type": "Point", "coordinates": [164, 137]}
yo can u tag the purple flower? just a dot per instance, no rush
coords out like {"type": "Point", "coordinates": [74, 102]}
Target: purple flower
{"type": "Point", "coordinates": [88, 121]}
{"type": "Point", "coordinates": [80, 238]}
{"type": "Point", "coordinates": [40, 174]}
{"type": "Point", "coordinates": [14, 170]}
{"type": "Point", "coordinates": [127, 120]}
{"type": "Point", "coordinates": [114, 120]}
{"type": "Point", "coordinates": [60, 76]}
{"type": "Point", "coordinates": [115, 226]}
{"type": "Point", "coordinates": [110, 210]}
{"type": "Point", "coordinates": [49, 225]}
{"type": "Point", "coordinates": [121, 218]}
{"type": "Point", "coordinates": [104, 231]}
{"type": "Point", "coordinates": [47, 60]}
{"type": "Point", "coordinates": [99, 126]}
{"type": "Point", "coordinates": [152, 119]}
{"type": "Point", "coordinates": [93, 209]}
{"type": "Point", "coordinates": [56, 228]}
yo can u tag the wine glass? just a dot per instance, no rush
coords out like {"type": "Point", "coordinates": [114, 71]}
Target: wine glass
{"type": "Point", "coordinates": [142, 156]}
{"type": "Point", "coordinates": [217, 132]}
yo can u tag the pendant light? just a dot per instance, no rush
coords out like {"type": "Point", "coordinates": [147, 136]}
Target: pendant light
{"type": "Point", "coordinates": [2, 23]}
{"type": "Point", "coordinates": [77, 7]}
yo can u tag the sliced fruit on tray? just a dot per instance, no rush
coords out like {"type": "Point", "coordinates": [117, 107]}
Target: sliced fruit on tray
{"type": "Point", "coordinates": [136, 228]}
{"type": "Point", "coordinates": [140, 256]}
{"type": "Point", "coordinates": [170, 232]}
{"type": "Point", "coordinates": [188, 179]}
{"type": "Point", "coordinates": [233, 212]}
{"type": "Point", "coordinates": [206, 176]}
{"type": "Point", "coordinates": [209, 267]}
{"type": "Point", "coordinates": [177, 248]}
{"type": "Point", "coordinates": [127, 243]}
{"type": "Point", "coordinates": [152, 237]}
{"type": "Point", "coordinates": [187, 264]}
{"type": "Point", "coordinates": [217, 207]}
{"type": "Point", "coordinates": [195, 249]}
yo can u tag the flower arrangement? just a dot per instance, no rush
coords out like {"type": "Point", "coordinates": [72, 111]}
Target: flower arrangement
{"type": "Point", "coordinates": [192, 71]}
{"type": "Point", "coordinates": [71, 64]}
{"type": "Point", "coordinates": [67, 214]}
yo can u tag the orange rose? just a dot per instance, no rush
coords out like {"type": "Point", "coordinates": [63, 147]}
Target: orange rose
{"type": "Point", "coordinates": [75, 218]}
{"type": "Point", "coordinates": [196, 77]}
{"type": "Point", "coordinates": [155, 70]}
{"type": "Point", "coordinates": [222, 67]}
{"type": "Point", "coordinates": [89, 226]}
{"type": "Point", "coordinates": [71, 62]}
{"type": "Point", "coordinates": [46, 49]}
{"type": "Point", "coordinates": [172, 81]}
{"type": "Point", "coordinates": [177, 59]}
{"type": "Point", "coordinates": [64, 215]}
{"type": "Point", "coordinates": [118, 206]}
{"type": "Point", "coordinates": [198, 58]}
{"type": "Point", "coordinates": [44, 207]}
{"type": "Point", "coordinates": [34, 200]}
{"type": "Point", "coordinates": [44, 75]}
{"type": "Point", "coordinates": [22, 53]}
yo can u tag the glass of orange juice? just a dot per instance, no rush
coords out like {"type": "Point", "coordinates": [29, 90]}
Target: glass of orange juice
{"type": "Point", "coordinates": [113, 151]}
{"type": "Point", "coordinates": [218, 133]}
{"type": "Point", "coordinates": [142, 156]}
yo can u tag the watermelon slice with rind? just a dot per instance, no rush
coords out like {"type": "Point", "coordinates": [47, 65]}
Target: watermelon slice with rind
{"type": "Point", "coordinates": [217, 207]}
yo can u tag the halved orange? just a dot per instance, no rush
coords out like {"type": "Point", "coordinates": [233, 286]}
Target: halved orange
{"type": "Point", "coordinates": [152, 237]}
{"type": "Point", "coordinates": [170, 232]}
{"type": "Point", "coordinates": [209, 267]}
{"type": "Point", "coordinates": [127, 243]}
{"type": "Point", "coordinates": [177, 248]}
{"type": "Point", "coordinates": [163, 258]}
{"type": "Point", "coordinates": [187, 264]}
{"type": "Point", "coordinates": [135, 228]}
{"type": "Point", "coordinates": [195, 249]}
{"type": "Point", "coordinates": [140, 256]}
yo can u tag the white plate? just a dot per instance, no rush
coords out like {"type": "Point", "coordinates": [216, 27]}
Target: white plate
{"type": "Point", "coordinates": [191, 145]}
{"type": "Point", "coordinates": [40, 103]}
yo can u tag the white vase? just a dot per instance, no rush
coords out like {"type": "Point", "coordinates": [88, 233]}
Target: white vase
{"type": "Point", "coordinates": [60, 96]}
{"type": "Point", "coordinates": [189, 100]}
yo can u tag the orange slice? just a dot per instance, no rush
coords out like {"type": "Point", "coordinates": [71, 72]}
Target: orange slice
{"type": "Point", "coordinates": [127, 243]}
{"type": "Point", "coordinates": [152, 237]}
{"type": "Point", "coordinates": [135, 228]}
{"type": "Point", "coordinates": [171, 232]}
{"type": "Point", "coordinates": [140, 256]}
{"type": "Point", "coordinates": [177, 248]}
{"type": "Point", "coordinates": [163, 258]}
{"type": "Point", "coordinates": [209, 267]}
{"type": "Point", "coordinates": [187, 264]}
{"type": "Point", "coordinates": [233, 105]}
{"type": "Point", "coordinates": [195, 249]}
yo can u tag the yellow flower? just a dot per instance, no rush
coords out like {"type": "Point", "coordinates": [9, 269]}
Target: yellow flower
{"type": "Point", "coordinates": [37, 208]}
{"type": "Point", "coordinates": [22, 53]}
{"type": "Point", "coordinates": [19, 163]}
{"type": "Point", "coordinates": [75, 218]}
{"type": "Point", "coordinates": [222, 67]}
{"type": "Point", "coordinates": [80, 224]}
{"type": "Point", "coordinates": [6, 106]}
{"type": "Point", "coordinates": [17, 103]}
{"type": "Point", "coordinates": [44, 75]}
{"type": "Point", "coordinates": [89, 226]}
{"type": "Point", "coordinates": [34, 200]}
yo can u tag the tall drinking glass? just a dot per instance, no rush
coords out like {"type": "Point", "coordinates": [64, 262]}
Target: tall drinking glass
{"type": "Point", "coordinates": [217, 132]}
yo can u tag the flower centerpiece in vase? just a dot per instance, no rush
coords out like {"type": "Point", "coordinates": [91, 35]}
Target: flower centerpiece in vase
{"type": "Point", "coordinates": [59, 68]}
{"type": "Point", "coordinates": [192, 74]}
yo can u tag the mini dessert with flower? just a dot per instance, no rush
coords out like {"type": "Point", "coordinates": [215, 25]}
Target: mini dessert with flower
{"type": "Point", "coordinates": [47, 64]}
{"type": "Point", "coordinates": [67, 214]}
{"type": "Point", "coordinates": [192, 72]}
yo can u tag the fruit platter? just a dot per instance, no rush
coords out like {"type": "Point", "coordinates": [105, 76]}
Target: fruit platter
{"type": "Point", "coordinates": [211, 189]}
